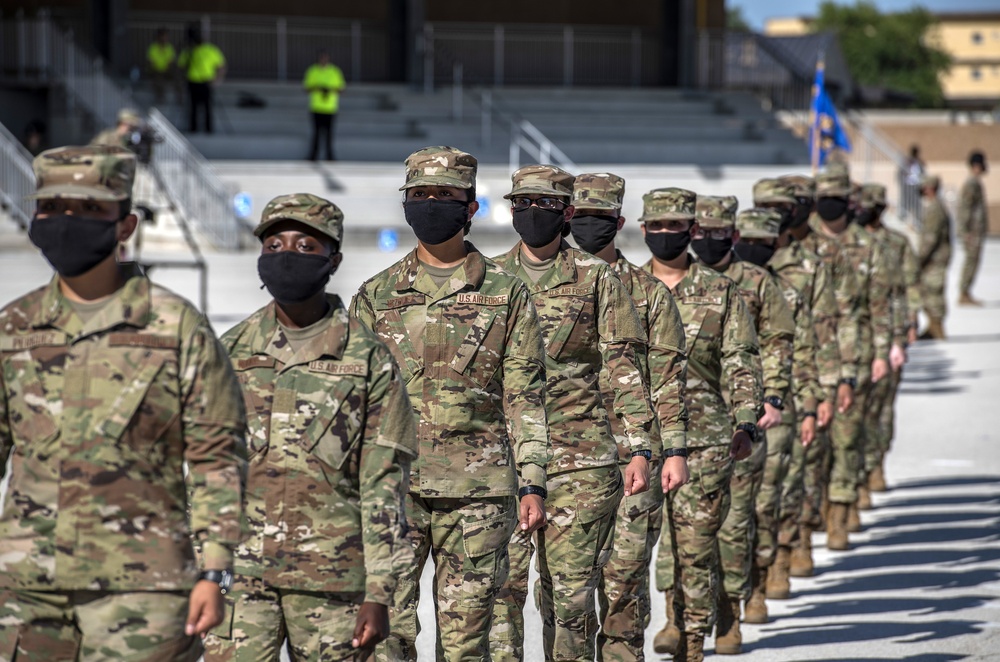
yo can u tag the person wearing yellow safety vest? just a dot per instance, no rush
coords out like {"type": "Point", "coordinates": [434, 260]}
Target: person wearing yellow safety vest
{"type": "Point", "coordinates": [204, 65]}
{"type": "Point", "coordinates": [324, 82]}
{"type": "Point", "coordinates": [160, 58]}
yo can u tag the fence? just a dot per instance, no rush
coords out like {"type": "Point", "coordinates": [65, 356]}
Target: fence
{"type": "Point", "coordinates": [16, 178]}
{"type": "Point", "coordinates": [37, 49]}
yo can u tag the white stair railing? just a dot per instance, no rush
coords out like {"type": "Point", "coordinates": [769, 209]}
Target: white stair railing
{"type": "Point", "coordinates": [17, 180]}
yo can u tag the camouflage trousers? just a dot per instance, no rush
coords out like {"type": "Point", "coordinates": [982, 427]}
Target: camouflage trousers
{"type": "Point", "coordinates": [572, 548]}
{"type": "Point", "coordinates": [739, 528]}
{"type": "Point", "coordinates": [623, 593]}
{"type": "Point", "coordinates": [874, 439]}
{"type": "Point", "coordinates": [887, 423]}
{"type": "Point", "coordinates": [86, 626]}
{"type": "Point", "coordinates": [973, 243]}
{"type": "Point", "coordinates": [792, 488]}
{"type": "Point", "coordinates": [847, 442]}
{"type": "Point", "coordinates": [933, 279]}
{"type": "Point", "coordinates": [259, 618]}
{"type": "Point", "coordinates": [768, 503]}
{"type": "Point", "coordinates": [689, 548]}
{"type": "Point", "coordinates": [468, 540]}
{"type": "Point", "coordinates": [816, 460]}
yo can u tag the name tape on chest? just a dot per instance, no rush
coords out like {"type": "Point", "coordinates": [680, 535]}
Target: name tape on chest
{"type": "Point", "coordinates": [702, 301]}
{"type": "Point", "coordinates": [142, 340]}
{"type": "Point", "coordinates": [483, 299]}
{"type": "Point", "coordinates": [32, 340]}
{"type": "Point", "coordinates": [255, 362]}
{"type": "Point", "coordinates": [401, 302]}
{"type": "Point", "coordinates": [337, 368]}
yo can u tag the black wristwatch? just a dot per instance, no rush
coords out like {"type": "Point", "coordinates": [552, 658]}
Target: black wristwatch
{"type": "Point", "coordinates": [775, 402]}
{"type": "Point", "coordinates": [646, 454]}
{"type": "Point", "coordinates": [807, 414]}
{"type": "Point", "coordinates": [224, 578]}
{"type": "Point", "coordinates": [676, 452]}
{"type": "Point", "coordinates": [750, 429]}
{"type": "Point", "coordinates": [850, 381]}
{"type": "Point", "coordinates": [533, 489]}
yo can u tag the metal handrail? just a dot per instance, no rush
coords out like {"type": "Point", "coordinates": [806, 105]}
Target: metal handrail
{"type": "Point", "coordinates": [17, 180]}
{"type": "Point", "coordinates": [194, 190]}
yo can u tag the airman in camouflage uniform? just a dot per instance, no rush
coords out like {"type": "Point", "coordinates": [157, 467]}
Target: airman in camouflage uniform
{"type": "Point", "coordinates": [933, 256]}
{"type": "Point", "coordinates": [792, 197]}
{"type": "Point", "coordinates": [759, 231]}
{"type": "Point", "coordinates": [467, 340]}
{"type": "Point", "coordinates": [331, 437]}
{"type": "Point", "coordinates": [722, 349]}
{"type": "Point", "coordinates": [775, 327]}
{"type": "Point", "coordinates": [123, 424]}
{"type": "Point", "coordinates": [589, 325]}
{"type": "Point", "coordinates": [120, 135]}
{"type": "Point", "coordinates": [853, 256]}
{"type": "Point", "coordinates": [972, 226]}
{"type": "Point", "coordinates": [623, 593]}
{"type": "Point", "coordinates": [904, 303]}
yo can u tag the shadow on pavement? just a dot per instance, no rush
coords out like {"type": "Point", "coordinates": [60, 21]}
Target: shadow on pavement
{"type": "Point", "coordinates": [915, 606]}
{"type": "Point", "coordinates": [946, 535]}
{"type": "Point", "coordinates": [870, 630]}
{"type": "Point", "coordinates": [903, 581]}
{"type": "Point", "coordinates": [925, 518]}
{"type": "Point", "coordinates": [948, 481]}
{"type": "Point", "coordinates": [943, 501]}
{"type": "Point", "coordinates": [975, 338]}
{"type": "Point", "coordinates": [878, 558]}
{"type": "Point", "coordinates": [935, 390]}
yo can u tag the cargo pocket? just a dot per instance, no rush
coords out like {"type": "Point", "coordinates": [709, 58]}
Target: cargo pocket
{"type": "Point", "coordinates": [487, 564]}
{"type": "Point", "coordinates": [334, 431]}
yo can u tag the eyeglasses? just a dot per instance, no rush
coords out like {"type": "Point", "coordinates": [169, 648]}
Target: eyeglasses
{"type": "Point", "coordinates": [542, 203]}
{"type": "Point", "coordinates": [713, 233]}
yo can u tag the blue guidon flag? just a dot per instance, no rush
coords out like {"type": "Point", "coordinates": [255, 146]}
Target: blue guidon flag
{"type": "Point", "coordinates": [825, 131]}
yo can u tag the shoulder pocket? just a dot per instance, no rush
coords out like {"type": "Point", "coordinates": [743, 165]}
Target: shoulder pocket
{"type": "Point", "coordinates": [575, 329]}
{"type": "Point", "coordinates": [334, 432]}
{"type": "Point", "coordinates": [481, 351]}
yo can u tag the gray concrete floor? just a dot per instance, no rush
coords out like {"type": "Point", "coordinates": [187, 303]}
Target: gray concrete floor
{"type": "Point", "coordinates": [923, 582]}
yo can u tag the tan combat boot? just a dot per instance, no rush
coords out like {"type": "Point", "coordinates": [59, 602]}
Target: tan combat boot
{"type": "Point", "coordinates": [778, 585]}
{"type": "Point", "coordinates": [801, 564]}
{"type": "Point", "coordinates": [967, 299]}
{"type": "Point", "coordinates": [836, 528]}
{"type": "Point", "coordinates": [667, 640]}
{"type": "Point", "coordinates": [864, 497]}
{"type": "Point", "coordinates": [934, 330]}
{"type": "Point", "coordinates": [756, 611]}
{"type": "Point", "coordinates": [691, 648]}
{"type": "Point", "coordinates": [854, 518]}
{"type": "Point", "coordinates": [876, 480]}
{"type": "Point", "coordinates": [728, 640]}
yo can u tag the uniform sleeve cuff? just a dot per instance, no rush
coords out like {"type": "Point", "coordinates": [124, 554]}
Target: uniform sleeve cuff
{"type": "Point", "coordinates": [215, 556]}
{"type": "Point", "coordinates": [532, 474]}
{"type": "Point", "coordinates": [379, 589]}
{"type": "Point", "coordinates": [673, 439]}
{"type": "Point", "coordinates": [744, 415]}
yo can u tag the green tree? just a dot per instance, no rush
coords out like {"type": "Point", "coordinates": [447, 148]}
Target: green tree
{"type": "Point", "coordinates": [735, 20]}
{"type": "Point", "coordinates": [890, 50]}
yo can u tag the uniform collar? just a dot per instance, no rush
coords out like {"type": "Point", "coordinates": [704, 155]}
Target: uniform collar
{"type": "Point", "coordinates": [269, 336]}
{"type": "Point", "coordinates": [129, 306]}
{"type": "Point", "coordinates": [468, 276]}
{"type": "Point", "coordinates": [562, 272]}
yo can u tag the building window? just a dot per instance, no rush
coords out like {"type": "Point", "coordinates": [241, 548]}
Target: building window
{"type": "Point", "coordinates": [976, 73]}
{"type": "Point", "coordinates": [977, 37]}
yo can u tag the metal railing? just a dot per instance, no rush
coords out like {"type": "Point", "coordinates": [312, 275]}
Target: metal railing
{"type": "Point", "coordinates": [17, 180]}
{"type": "Point", "coordinates": [37, 49]}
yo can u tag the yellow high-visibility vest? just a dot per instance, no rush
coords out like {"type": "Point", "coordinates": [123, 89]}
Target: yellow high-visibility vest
{"type": "Point", "coordinates": [330, 80]}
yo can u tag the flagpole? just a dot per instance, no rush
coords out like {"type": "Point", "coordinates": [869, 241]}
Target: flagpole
{"type": "Point", "coordinates": [814, 115]}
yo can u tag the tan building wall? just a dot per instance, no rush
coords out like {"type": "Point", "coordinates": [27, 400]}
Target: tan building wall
{"type": "Point", "coordinates": [787, 26]}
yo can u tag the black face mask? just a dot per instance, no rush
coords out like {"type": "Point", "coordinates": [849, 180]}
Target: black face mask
{"type": "Point", "coordinates": [293, 277]}
{"type": "Point", "coordinates": [538, 227]}
{"type": "Point", "coordinates": [759, 254]}
{"type": "Point", "coordinates": [74, 245]}
{"type": "Point", "coordinates": [712, 251]}
{"type": "Point", "coordinates": [866, 217]}
{"type": "Point", "coordinates": [801, 214]}
{"type": "Point", "coordinates": [594, 233]}
{"type": "Point", "coordinates": [436, 221]}
{"type": "Point", "coordinates": [667, 246]}
{"type": "Point", "coordinates": [830, 209]}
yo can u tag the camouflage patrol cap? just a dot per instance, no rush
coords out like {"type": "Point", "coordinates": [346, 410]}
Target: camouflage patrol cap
{"type": "Point", "coordinates": [306, 208]}
{"type": "Point", "coordinates": [440, 166]}
{"type": "Point", "coordinates": [714, 211]}
{"type": "Point", "coordinates": [129, 116]}
{"type": "Point", "coordinates": [541, 179]}
{"type": "Point", "coordinates": [668, 204]}
{"type": "Point", "coordinates": [803, 187]}
{"type": "Point", "coordinates": [833, 184]}
{"type": "Point", "coordinates": [94, 172]}
{"type": "Point", "coordinates": [598, 191]}
{"type": "Point", "coordinates": [773, 191]}
{"type": "Point", "coordinates": [839, 168]}
{"type": "Point", "coordinates": [872, 195]}
{"type": "Point", "coordinates": [758, 223]}
{"type": "Point", "coordinates": [930, 181]}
